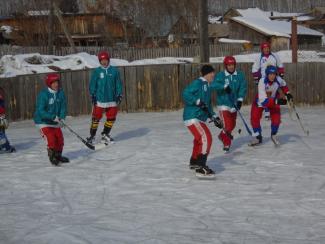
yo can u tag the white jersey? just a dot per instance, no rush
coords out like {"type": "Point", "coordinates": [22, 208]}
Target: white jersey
{"type": "Point", "coordinates": [263, 61]}
{"type": "Point", "coordinates": [268, 90]}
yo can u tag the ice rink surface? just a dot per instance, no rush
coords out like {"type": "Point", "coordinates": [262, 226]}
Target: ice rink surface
{"type": "Point", "coordinates": [140, 189]}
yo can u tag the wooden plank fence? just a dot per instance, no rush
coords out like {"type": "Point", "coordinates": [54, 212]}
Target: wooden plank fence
{"type": "Point", "coordinates": [152, 87]}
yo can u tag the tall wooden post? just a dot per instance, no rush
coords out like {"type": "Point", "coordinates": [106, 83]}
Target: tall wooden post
{"type": "Point", "coordinates": [294, 40]}
{"type": "Point", "coordinates": [204, 35]}
{"type": "Point", "coordinates": [51, 28]}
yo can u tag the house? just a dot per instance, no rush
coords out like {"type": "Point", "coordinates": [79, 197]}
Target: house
{"type": "Point", "coordinates": [316, 20]}
{"type": "Point", "coordinates": [256, 26]}
{"type": "Point", "coordinates": [85, 29]}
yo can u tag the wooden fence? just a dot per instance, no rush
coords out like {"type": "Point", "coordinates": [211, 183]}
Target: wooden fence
{"type": "Point", "coordinates": [131, 54]}
{"type": "Point", "coordinates": [151, 88]}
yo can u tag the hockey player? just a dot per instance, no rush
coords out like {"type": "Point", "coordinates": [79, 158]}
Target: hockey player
{"type": "Point", "coordinates": [230, 85]}
{"type": "Point", "coordinates": [5, 146]}
{"type": "Point", "coordinates": [49, 117]}
{"type": "Point", "coordinates": [105, 89]}
{"type": "Point", "coordinates": [265, 59]}
{"type": "Point", "coordinates": [198, 108]}
{"type": "Point", "coordinates": [271, 94]}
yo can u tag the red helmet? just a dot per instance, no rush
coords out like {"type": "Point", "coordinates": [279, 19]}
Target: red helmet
{"type": "Point", "coordinates": [103, 55]}
{"type": "Point", "coordinates": [50, 78]}
{"type": "Point", "coordinates": [229, 60]}
{"type": "Point", "coordinates": [264, 45]}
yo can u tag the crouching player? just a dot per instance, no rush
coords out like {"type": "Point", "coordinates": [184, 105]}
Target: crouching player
{"type": "Point", "coordinates": [272, 92]}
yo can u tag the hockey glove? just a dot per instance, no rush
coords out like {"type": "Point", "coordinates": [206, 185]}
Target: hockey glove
{"type": "Point", "coordinates": [289, 97]}
{"type": "Point", "coordinates": [281, 75]}
{"type": "Point", "coordinates": [238, 105]}
{"type": "Point", "coordinates": [3, 122]}
{"type": "Point", "coordinates": [217, 122]}
{"type": "Point", "coordinates": [202, 105]}
{"type": "Point", "coordinates": [119, 99]}
{"type": "Point", "coordinates": [256, 80]}
{"type": "Point", "coordinates": [93, 99]}
{"type": "Point", "coordinates": [227, 89]}
{"type": "Point", "coordinates": [280, 101]}
{"type": "Point", "coordinates": [62, 123]}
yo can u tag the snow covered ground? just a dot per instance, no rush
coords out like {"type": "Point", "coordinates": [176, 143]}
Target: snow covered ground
{"type": "Point", "coordinates": [35, 63]}
{"type": "Point", "coordinates": [140, 189]}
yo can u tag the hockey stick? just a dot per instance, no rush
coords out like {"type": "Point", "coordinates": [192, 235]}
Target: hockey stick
{"type": "Point", "coordinates": [292, 107]}
{"type": "Point", "coordinates": [241, 116]}
{"type": "Point", "coordinates": [92, 147]}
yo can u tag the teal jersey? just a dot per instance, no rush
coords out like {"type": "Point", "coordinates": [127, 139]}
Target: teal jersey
{"type": "Point", "coordinates": [238, 85]}
{"type": "Point", "coordinates": [198, 89]}
{"type": "Point", "coordinates": [49, 105]}
{"type": "Point", "coordinates": [105, 84]}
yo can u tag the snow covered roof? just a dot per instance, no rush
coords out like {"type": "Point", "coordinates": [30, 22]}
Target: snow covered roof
{"type": "Point", "coordinates": [274, 27]}
{"type": "Point", "coordinates": [226, 40]}
{"type": "Point", "coordinates": [214, 19]}
{"type": "Point", "coordinates": [260, 21]}
{"type": "Point", "coordinates": [38, 13]}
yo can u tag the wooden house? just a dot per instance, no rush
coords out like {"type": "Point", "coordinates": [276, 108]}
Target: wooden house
{"type": "Point", "coordinates": [85, 29]}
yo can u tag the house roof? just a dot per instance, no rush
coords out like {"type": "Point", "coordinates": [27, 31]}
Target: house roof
{"type": "Point", "coordinates": [259, 20]}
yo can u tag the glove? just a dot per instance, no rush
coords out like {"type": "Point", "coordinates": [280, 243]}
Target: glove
{"type": "Point", "coordinates": [202, 105]}
{"type": "Point", "coordinates": [3, 122]}
{"type": "Point", "coordinates": [217, 122]}
{"type": "Point", "coordinates": [238, 105]}
{"type": "Point", "coordinates": [256, 80]}
{"type": "Point", "coordinates": [93, 99]}
{"type": "Point", "coordinates": [289, 97]}
{"type": "Point", "coordinates": [59, 121]}
{"type": "Point", "coordinates": [62, 123]}
{"type": "Point", "coordinates": [119, 99]}
{"type": "Point", "coordinates": [227, 89]}
{"type": "Point", "coordinates": [280, 101]}
{"type": "Point", "coordinates": [281, 75]}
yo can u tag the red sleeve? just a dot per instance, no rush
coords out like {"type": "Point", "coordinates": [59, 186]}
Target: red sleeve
{"type": "Point", "coordinates": [285, 89]}
{"type": "Point", "coordinates": [280, 70]}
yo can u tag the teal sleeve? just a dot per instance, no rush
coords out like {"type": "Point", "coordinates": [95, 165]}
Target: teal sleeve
{"type": "Point", "coordinates": [41, 108]}
{"type": "Point", "coordinates": [190, 94]}
{"type": "Point", "coordinates": [119, 84]}
{"type": "Point", "coordinates": [63, 107]}
{"type": "Point", "coordinates": [211, 109]}
{"type": "Point", "coordinates": [93, 83]}
{"type": "Point", "coordinates": [243, 87]}
{"type": "Point", "coordinates": [218, 83]}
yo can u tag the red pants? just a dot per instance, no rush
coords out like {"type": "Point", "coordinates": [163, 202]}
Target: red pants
{"type": "Point", "coordinates": [256, 115]}
{"type": "Point", "coordinates": [111, 112]}
{"type": "Point", "coordinates": [229, 123]}
{"type": "Point", "coordinates": [53, 137]}
{"type": "Point", "coordinates": [202, 139]}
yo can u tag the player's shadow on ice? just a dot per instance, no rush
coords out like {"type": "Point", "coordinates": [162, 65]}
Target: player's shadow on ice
{"type": "Point", "coordinates": [24, 145]}
{"type": "Point", "coordinates": [131, 134]}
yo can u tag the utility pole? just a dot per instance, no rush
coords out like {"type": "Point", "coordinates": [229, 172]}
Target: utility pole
{"type": "Point", "coordinates": [51, 28]}
{"type": "Point", "coordinates": [294, 40]}
{"type": "Point", "coordinates": [204, 35]}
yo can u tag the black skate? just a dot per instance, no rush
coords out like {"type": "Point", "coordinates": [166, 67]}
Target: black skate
{"type": "Point", "coordinates": [226, 149]}
{"type": "Point", "coordinates": [194, 164]}
{"type": "Point", "coordinates": [204, 172]}
{"type": "Point", "coordinates": [256, 141]}
{"type": "Point", "coordinates": [61, 158]}
{"type": "Point", "coordinates": [52, 157]}
{"type": "Point", "coordinates": [90, 140]}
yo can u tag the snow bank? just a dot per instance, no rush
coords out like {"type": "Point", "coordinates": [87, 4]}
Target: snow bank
{"type": "Point", "coordinates": [36, 63]}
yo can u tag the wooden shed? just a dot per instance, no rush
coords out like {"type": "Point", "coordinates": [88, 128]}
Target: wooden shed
{"type": "Point", "coordinates": [85, 29]}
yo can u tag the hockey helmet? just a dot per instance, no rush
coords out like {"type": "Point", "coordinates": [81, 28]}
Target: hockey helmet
{"type": "Point", "coordinates": [271, 70]}
{"type": "Point", "coordinates": [229, 60]}
{"type": "Point", "coordinates": [50, 78]}
{"type": "Point", "coordinates": [103, 55]}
